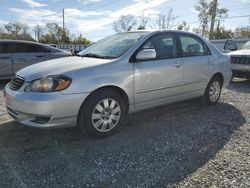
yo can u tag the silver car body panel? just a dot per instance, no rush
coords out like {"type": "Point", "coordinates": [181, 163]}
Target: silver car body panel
{"type": "Point", "coordinates": [146, 84]}
{"type": "Point", "coordinates": [10, 63]}
{"type": "Point", "coordinates": [6, 62]}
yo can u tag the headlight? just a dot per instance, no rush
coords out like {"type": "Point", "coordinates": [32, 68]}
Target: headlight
{"type": "Point", "coordinates": [49, 84]}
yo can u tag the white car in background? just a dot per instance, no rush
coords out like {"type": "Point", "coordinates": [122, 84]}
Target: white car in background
{"type": "Point", "coordinates": [240, 60]}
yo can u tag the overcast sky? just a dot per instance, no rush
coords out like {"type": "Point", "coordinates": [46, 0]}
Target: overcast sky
{"type": "Point", "coordinates": [94, 18]}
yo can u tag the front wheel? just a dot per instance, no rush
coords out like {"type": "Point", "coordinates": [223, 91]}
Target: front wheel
{"type": "Point", "coordinates": [213, 91]}
{"type": "Point", "coordinates": [102, 113]}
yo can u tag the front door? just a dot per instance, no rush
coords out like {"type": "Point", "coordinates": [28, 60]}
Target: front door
{"type": "Point", "coordinates": [159, 80]}
{"type": "Point", "coordinates": [27, 54]}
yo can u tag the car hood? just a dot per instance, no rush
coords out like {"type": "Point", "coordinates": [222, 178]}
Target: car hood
{"type": "Point", "coordinates": [59, 67]}
{"type": "Point", "coordinates": [240, 52]}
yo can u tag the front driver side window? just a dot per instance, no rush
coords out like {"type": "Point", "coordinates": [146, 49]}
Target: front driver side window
{"type": "Point", "coordinates": [163, 44]}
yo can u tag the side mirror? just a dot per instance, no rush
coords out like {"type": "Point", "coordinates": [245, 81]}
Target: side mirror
{"type": "Point", "coordinates": [231, 47]}
{"type": "Point", "coordinates": [147, 54]}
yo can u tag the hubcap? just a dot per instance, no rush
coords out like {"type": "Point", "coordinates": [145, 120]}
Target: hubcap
{"type": "Point", "coordinates": [106, 115]}
{"type": "Point", "coordinates": [214, 91]}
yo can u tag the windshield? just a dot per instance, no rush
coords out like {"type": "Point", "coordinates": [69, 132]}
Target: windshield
{"type": "Point", "coordinates": [113, 46]}
{"type": "Point", "coordinates": [246, 46]}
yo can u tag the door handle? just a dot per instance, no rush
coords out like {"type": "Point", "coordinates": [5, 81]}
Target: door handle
{"type": "Point", "coordinates": [178, 64]}
{"type": "Point", "coordinates": [6, 57]}
{"type": "Point", "coordinates": [23, 60]}
{"type": "Point", "coordinates": [40, 56]}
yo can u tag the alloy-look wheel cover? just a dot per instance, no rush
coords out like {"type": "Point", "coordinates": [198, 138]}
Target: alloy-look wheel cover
{"type": "Point", "coordinates": [106, 115]}
{"type": "Point", "coordinates": [214, 91]}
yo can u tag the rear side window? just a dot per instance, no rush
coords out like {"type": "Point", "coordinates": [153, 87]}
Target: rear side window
{"type": "Point", "coordinates": [23, 48]}
{"type": "Point", "coordinates": [2, 48]}
{"type": "Point", "coordinates": [193, 46]}
{"type": "Point", "coordinates": [163, 44]}
{"type": "Point", "coordinates": [30, 48]}
{"type": "Point", "coordinates": [7, 48]}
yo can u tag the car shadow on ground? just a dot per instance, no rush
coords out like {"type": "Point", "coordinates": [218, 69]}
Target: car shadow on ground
{"type": "Point", "coordinates": [159, 147]}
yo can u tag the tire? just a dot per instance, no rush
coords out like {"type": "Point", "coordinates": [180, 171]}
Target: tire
{"type": "Point", "coordinates": [213, 91]}
{"type": "Point", "coordinates": [102, 113]}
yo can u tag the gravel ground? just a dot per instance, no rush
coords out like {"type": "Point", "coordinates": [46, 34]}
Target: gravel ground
{"type": "Point", "coordinates": [179, 145]}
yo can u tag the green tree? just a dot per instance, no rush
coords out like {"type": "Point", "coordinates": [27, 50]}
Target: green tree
{"type": "Point", "coordinates": [183, 26]}
{"type": "Point", "coordinates": [16, 30]}
{"type": "Point", "coordinates": [242, 32]}
{"type": "Point", "coordinates": [203, 9]}
{"type": "Point", "coordinates": [81, 40]}
{"type": "Point", "coordinates": [54, 34]}
{"type": "Point", "coordinates": [221, 30]}
{"type": "Point", "coordinates": [206, 12]}
{"type": "Point", "coordinates": [222, 33]}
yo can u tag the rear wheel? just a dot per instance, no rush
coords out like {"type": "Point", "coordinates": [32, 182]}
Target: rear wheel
{"type": "Point", "coordinates": [102, 113]}
{"type": "Point", "coordinates": [213, 91]}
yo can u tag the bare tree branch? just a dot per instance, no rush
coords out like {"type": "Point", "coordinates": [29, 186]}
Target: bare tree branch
{"type": "Point", "coordinates": [124, 23]}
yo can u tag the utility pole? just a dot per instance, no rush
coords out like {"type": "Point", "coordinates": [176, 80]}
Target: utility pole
{"type": "Point", "coordinates": [63, 25]}
{"type": "Point", "coordinates": [213, 13]}
{"type": "Point", "coordinates": [38, 32]}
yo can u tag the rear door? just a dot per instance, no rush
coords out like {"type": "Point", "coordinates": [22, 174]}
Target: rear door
{"type": "Point", "coordinates": [27, 54]}
{"type": "Point", "coordinates": [197, 64]}
{"type": "Point", "coordinates": [5, 61]}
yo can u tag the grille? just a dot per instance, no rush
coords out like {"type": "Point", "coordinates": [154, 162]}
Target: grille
{"type": "Point", "coordinates": [240, 60]}
{"type": "Point", "coordinates": [16, 83]}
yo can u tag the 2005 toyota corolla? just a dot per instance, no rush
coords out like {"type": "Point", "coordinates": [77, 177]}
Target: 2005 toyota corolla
{"type": "Point", "coordinates": [121, 74]}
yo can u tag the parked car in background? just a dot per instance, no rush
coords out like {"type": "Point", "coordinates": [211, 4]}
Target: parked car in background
{"type": "Point", "coordinates": [15, 55]}
{"type": "Point", "coordinates": [53, 45]}
{"type": "Point", "coordinates": [225, 45]}
{"type": "Point", "coordinates": [240, 60]}
{"type": "Point", "coordinates": [230, 46]}
{"type": "Point", "coordinates": [126, 72]}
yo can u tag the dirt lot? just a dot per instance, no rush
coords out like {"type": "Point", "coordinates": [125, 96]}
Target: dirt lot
{"type": "Point", "coordinates": [179, 145]}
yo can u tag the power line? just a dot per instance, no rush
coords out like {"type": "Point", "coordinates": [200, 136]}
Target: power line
{"type": "Point", "coordinates": [235, 6]}
{"type": "Point", "coordinates": [97, 8]}
{"type": "Point", "coordinates": [225, 18]}
{"type": "Point", "coordinates": [242, 16]}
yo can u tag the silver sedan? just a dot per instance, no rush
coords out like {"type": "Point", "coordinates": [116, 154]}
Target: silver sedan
{"type": "Point", "coordinates": [120, 74]}
{"type": "Point", "coordinates": [17, 54]}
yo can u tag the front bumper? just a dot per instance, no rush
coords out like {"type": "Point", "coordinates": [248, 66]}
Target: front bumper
{"type": "Point", "coordinates": [241, 70]}
{"type": "Point", "coordinates": [44, 110]}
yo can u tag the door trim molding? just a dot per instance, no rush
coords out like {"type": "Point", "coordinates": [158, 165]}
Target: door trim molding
{"type": "Point", "coordinates": [162, 88]}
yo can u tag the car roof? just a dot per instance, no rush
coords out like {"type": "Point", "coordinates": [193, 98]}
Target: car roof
{"type": "Point", "coordinates": [21, 41]}
{"type": "Point", "coordinates": [155, 31]}
{"type": "Point", "coordinates": [158, 31]}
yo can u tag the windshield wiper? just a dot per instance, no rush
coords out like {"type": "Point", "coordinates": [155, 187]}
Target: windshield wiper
{"type": "Point", "coordinates": [96, 56]}
{"type": "Point", "coordinates": [77, 55]}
